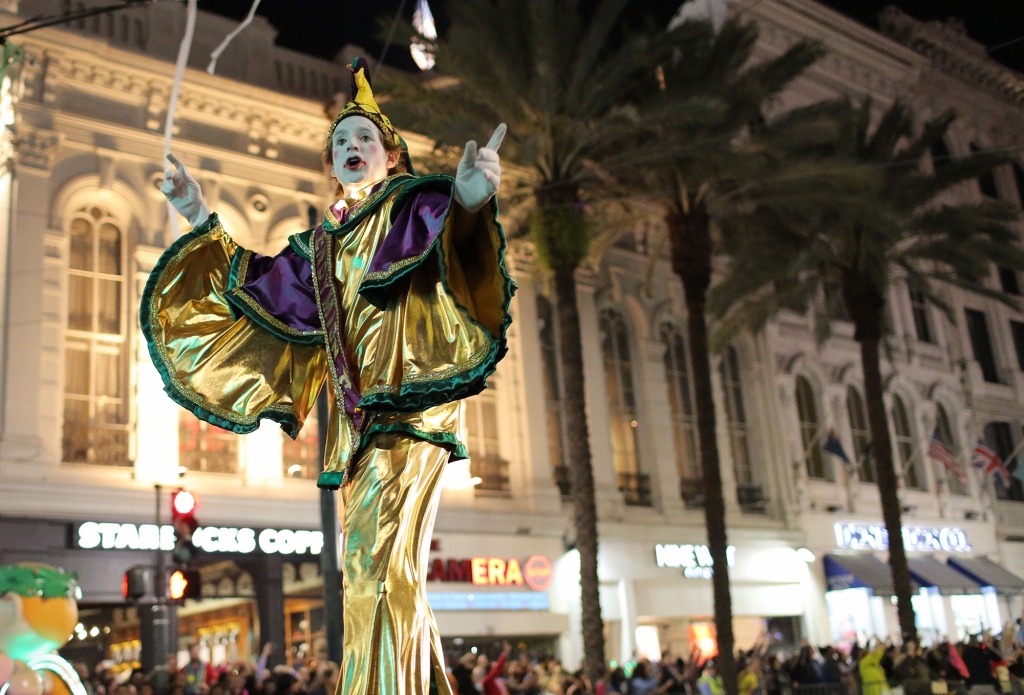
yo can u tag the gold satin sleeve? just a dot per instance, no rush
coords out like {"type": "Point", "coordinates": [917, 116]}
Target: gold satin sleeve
{"type": "Point", "coordinates": [229, 372]}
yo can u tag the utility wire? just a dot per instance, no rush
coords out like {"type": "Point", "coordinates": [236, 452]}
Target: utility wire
{"type": "Point", "coordinates": [391, 32]}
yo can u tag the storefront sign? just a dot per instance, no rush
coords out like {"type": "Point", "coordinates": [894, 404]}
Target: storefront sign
{"type": "Point", "coordinates": [535, 572]}
{"type": "Point", "coordinates": [489, 601]}
{"type": "Point", "coordinates": [212, 539]}
{"type": "Point", "coordinates": [875, 537]}
{"type": "Point", "coordinates": [695, 560]}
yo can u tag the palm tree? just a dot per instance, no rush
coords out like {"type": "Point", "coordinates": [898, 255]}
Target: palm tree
{"type": "Point", "coordinates": [708, 168]}
{"type": "Point", "coordinates": [561, 79]}
{"type": "Point", "coordinates": [890, 220]}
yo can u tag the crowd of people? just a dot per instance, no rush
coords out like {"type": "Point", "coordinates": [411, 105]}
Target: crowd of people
{"type": "Point", "coordinates": [980, 666]}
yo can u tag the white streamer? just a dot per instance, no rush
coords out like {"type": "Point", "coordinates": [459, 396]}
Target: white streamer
{"type": "Point", "coordinates": [230, 37]}
{"type": "Point", "coordinates": [172, 105]}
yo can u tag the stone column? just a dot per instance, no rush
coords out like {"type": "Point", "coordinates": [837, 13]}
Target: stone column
{"type": "Point", "coordinates": [609, 499]}
{"type": "Point", "coordinates": [657, 442]}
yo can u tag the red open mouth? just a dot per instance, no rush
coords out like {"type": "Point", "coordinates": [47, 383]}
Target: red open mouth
{"type": "Point", "coordinates": [353, 163]}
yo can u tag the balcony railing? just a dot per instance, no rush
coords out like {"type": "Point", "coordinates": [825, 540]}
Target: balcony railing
{"type": "Point", "coordinates": [635, 489]}
{"type": "Point", "coordinates": [692, 492]}
{"type": "Point", "coordinates": [561, 474]}
{"type": "Point", "coordinates": [751, 498]}
{"type": "Point", "coordinates": [87, 442]}
{"type": "Point", "coordinates": [493, 474]}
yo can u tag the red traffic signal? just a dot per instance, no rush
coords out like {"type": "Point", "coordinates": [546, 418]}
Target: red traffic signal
{"type": "Point", "coordinates": [183, 510]}
{"type": "Point", "coordinates": [183, 584]}
{"type": "Point", "coordinates": [183, 504]}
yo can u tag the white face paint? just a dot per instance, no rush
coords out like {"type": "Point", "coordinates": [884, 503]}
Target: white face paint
{"type": "Point", "coordinates": [359, 155]}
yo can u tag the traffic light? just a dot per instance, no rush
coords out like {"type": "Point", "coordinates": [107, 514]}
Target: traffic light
{"type": "Point", "coordinates": [183, 510]}
{"type": "Point", "coordinates": [135, 583]}
{"type": "Point", "coordinates": [183, 584]}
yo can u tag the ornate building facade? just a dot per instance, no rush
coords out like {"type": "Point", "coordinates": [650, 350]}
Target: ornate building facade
{"type": "Point", "coordinates": [87, 431]}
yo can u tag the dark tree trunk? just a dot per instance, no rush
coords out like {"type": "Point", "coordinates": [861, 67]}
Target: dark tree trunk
{"type": "Point", "coordinates": [581, 472]}
{"type": "Point", "coordinates": [690, 240]}
{"type": "Point", "coordinates": [866, 305]}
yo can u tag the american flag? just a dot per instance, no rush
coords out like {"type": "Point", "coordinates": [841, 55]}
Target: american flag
{"type": "Point", "coordinates": [938, 452]}
{"type": "Point", "coordinates": [985, 458]}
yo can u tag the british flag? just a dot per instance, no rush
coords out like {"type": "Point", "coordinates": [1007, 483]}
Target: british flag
{"type": "Point", "coordinates": [938, 452]}
{"type": "Point", "coordinates": [986, 459]}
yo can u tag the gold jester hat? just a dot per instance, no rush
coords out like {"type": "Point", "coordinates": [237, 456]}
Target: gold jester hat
{"type": "Point", "coordinates": [363, 104]}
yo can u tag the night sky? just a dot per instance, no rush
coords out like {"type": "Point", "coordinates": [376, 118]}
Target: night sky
{"type": "Point", "coordinates": [322, 27]}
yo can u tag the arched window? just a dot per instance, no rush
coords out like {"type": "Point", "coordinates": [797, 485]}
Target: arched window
{"type": "Point", "coordinates": [300, 457]}
{"type": "Point", "coordinates": [861, 436]}
{"type": "Point", "coordinates": [810, 437]}
{"type": "Point", "coordinates": [552, 391]}
{"type": "Point", "coordinates": [736, 417]}
{"type": "Point", "coordinates": [205, 447]}
{"type": "Point", "coordinates": [987, 180]}
{"type": "Point", "coordinates": [944, 430]}
{"type": "Point", "coordinates": [95, 407]}
{"type": "Point", "coordinates": [480, 418]}
{"type": "Point", "coordinates": [907, 459]}
{"type": "Point", "coordinates": [999, 438]}
{"type": "Point", "coordinates": [680, 398]}
{"type": "Point", "coordinates": [618, 374]}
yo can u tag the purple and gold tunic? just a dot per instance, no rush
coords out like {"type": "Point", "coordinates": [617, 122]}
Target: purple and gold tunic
{"type": "Point", "coordinates": [397, 299]}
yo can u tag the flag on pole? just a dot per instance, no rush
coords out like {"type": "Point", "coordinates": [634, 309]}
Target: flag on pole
{"type": "Point", "coordinates": [937, 451]}
{"type": "Point", "coordinates": [989, 461]}
{"type": "Point", "coordinates": [835, 447]}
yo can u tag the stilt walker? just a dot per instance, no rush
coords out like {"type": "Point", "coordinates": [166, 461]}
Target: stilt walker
{"type": "Point", "coordinates": [399, 302]}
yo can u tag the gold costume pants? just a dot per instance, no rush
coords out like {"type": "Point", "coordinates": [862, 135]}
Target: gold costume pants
{"type": "Point", "coordinates": [391, 639]}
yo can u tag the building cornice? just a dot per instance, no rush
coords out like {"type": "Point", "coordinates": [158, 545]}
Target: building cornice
{"type": "Point", "coordinates": [953, 52]}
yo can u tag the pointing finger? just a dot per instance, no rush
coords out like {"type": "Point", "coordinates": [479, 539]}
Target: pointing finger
{"type": "Point", "coordinates": [499, 134]}
{"type": "Point", "coordinates": [176, 163]}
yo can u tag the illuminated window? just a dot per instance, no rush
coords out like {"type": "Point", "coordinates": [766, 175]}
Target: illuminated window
{"type": "Point", "coordinates": [300, 458]}
{"type": "Point", "coordinates": [809, 435]}
{"type": "Point", "coordinates": [480, 416]}
{"type": "Point", "coordinates": [861, 436]}
{"type": "Point", "coordinates": [680, 397]}
{"type": "Point", "coordinates": [907, 458]}
{"type": "Point", "coordinates": [618, 374]}
{"type": "Point", "coordinates": [95, 409]}
{"type": "Point", "coordinates": [205, 447]}
{"type": "Point", "coordinates": [736, 417]}
{"type": "Point", "coordinates": [945, 432]}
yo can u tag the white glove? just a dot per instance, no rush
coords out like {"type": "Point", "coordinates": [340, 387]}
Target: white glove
{"type": "Point", "coordinates": [184, 193]}
{"type": "Point", "coordinates": [479, 173]}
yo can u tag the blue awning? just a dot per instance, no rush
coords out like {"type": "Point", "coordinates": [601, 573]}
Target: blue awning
{"type": "Point", "coordinates": [929, 572]}
{"type": "Point", "coordinates": [859, 571]}
{"type": "Point", "coordinates": [988, 573]}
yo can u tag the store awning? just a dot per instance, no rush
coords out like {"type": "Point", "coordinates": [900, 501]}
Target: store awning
{"type": "Point", "coordinates": [929, 572]}
{"type": "Point", "coordinates": [987, 572]}
{"type": "Point", "coordinates": [858, 571]}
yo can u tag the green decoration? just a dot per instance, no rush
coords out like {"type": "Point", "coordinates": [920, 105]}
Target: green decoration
{"type": "Point", "coordinates": [46, 582]}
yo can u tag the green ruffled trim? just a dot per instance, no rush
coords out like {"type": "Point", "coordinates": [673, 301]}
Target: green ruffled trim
{"type": "Point", "coordinates": [416, 396]}
{"type": "Point", "coordinates": [332, 480]}
{"type": "Point", "coordinates": [288, 422]}
{"type": "Point", "coordinates": [302, 244]}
